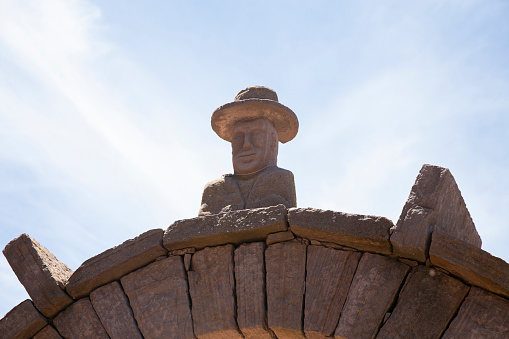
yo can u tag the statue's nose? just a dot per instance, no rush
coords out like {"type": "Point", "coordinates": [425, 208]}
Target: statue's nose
{"type": "Point", "coordinates": [247, 142]}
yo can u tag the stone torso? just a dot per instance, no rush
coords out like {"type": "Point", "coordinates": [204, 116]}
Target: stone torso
{"type": "Point", "coordinates": [273, 186]}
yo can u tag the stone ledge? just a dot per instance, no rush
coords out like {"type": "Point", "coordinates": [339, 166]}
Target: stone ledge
{"type": "Point", "coordinates": [116, 262]}
{"type": "Point", "coordinates": [23, 321]}
{"type": "Point", "coordinates": [470, 263]}
{"type": "Point", "coordinates": [41, 273]}
{"type": "Point", "coordinates": [361, 232]}
{"type": "Point", "coordinates": [226, 228]}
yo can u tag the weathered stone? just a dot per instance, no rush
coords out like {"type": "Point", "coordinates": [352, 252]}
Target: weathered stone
{"type": "Point", "coordinates": [279, 237]}
{"type": "Point", "coordinates": [329, 273]}
{"type": "Point", "coordinates": [336, 246]}
{"type": "Point", "coordinates": [286, 273]}
{"type": "Point", "coordinates": [212, 286]}
{"type": "Point", "coordinates": [250, 288]}
{"type": "Point", "coordinates": [188, 250]}
{"type": "Point", "coordinates": [41, 273]}
{"type": "Point", "coordinates": [80, 321]}
{"type": "Point", "coordinates": [470, 263]}
{"type": "Point", "coordinates": [373, 290]}
{"type": "Point", "coordinates": [158, 295]}
{"type": "Point", "coordinates": [226, 228]}
{"type": "Point", "coordinates": [111, 305]}
{"type": "Point", "coordinates": [23, 321]}
{"type": "Point", "coordinates": [428, 301]}
{"type": "Point", "coordinates": [187, 261]}
{"type": "Point", "coordinates": [482, 315]}
{"type": "Point", "coordinates": [435, 204]}
{"type": "Point", "coordinates": [271, 186]}
{"type": "Point", "coordinates": [47, 333]}
{"type": "Point", "coordinates": [411, 263]}
{"type": "Point", "coordinates": [362, 232]}
{"type": "Point", "coordinates": [115, 263]}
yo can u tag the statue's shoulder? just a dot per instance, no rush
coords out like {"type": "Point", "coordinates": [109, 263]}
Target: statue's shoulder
{"type": "Point", "coordinates": [218, 194]}
{"type": "Point", "coordinates": [215, 183]}
{"type": "Point", "coordinates": [226, 184]}
{"type": "Point", "coordinates": [279, 172]}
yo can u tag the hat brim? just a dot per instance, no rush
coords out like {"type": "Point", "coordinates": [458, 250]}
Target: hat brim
{"type": "Point", "coordinates": [283, 118]}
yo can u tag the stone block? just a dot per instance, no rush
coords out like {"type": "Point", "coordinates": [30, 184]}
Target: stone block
{"type": "Point", "coordinates": [373, 290]}
{"type": "Point", "coordinates": [23, 321]}
{"type": "Point", "coordinates": [41, 273]}
{"type": "Point", "coordinates": [435, 204]}
{"type": "Point", "coordinates": [250, 290]}
{"type": "Point", "coordinates": [329, 273]}
{"type": "Point", "coordinates": [80, 321]}
{"type": "Point", "coordinates": [235, 227]}
{"type": "Point", "coordinates": [116, 262]}
{"type": "Point", "coordinates": [362, 232]}
{"type": "Point", "coordinates": [279, 237]}
{"type": "Point", "coordinates": [158, 294]}
{"type": "Point", "coordinates": [470, 263]}
{"type": "Point", "coordinates": [212, 289]}
{"type": "Point", "coordinates": [47, 333]}
{"type": "Point", "coordinates": [427, 303]}
{"type": "Point", "coordinates": [286, 274]}
{"type": "Point", "coordinates": [482, 315]}
{"type": "Point", "coordinates": [112, 307]}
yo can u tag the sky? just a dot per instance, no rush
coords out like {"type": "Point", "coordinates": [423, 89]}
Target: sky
{"type": "Point", "coordinates": [105, 110]}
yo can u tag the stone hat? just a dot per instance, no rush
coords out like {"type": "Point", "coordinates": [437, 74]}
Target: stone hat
{"type": "Point", "coordinates": [252, 103]}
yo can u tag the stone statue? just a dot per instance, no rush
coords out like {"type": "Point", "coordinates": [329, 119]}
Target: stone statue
{"type": "Point", "coordinates": [254, 123]}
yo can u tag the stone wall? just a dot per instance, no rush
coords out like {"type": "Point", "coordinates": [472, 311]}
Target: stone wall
{"type": "Point", "coordinates": [273, 272]}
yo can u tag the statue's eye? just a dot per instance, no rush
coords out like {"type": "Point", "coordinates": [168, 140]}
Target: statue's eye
{"type": "Point", "coordinates": [238, 139]}
{"type": "Point", "coordinates": [258, 136]}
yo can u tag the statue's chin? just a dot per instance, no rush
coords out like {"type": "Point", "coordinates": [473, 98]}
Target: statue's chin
{"type": "Point", "coordinates": [246, 170]}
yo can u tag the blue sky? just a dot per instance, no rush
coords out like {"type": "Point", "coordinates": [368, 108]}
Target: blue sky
{"type": "Point", "coordinates": [105, 116]}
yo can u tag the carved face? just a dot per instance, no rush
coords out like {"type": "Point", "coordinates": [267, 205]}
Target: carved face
{"type": "Point", "coordinates": [254, 146]}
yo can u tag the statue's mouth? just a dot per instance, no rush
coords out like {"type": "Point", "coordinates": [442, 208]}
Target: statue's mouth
{"type": "Point", "coordinates": [245, 155]}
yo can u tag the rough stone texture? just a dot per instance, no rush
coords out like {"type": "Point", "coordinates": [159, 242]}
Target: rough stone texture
{"type": "Point", "coordinates": [23, 321]}
{"type": "Point", "coordinates": [411, 263]}
{"type": "Point", "coordinates": [362, 232]}
{"type": "Point", "coordinates": [212, 288]}
{"type": "Point", "coordinates": [226, 228]}
{"type": "Point", "coordinates": [470, 263]}
{"type": "Point", "coordinates": [47, 333]}
{"type": "Point", "coordinates": [111, 305]}
{"type": "Point", "coordinates": [250, 289]}
{"type": "Point", "coordinates": [372, 292]}
{"type": "Point", "coordinates": [482, 315]}
{"type": "Point", "coordinates": [435, 203]}
{"type": "Point", "coordinates": [270, 187]}
{"type": "Point", "coordinates": [286, 273]}
{"type": "Point", "coordinates": [115, 263]}
{"type": "Point", "coordinates": [80, 321]}
{"type": "Point", "coordinates": [329, 273]}
{"type": "Point", "coordinates": [41, 273]}
{"type": "Point", "coordinates": [426, 305]}
{"type": "Point", "coordinates": [279, 237]}
{"type": "Point", "coordinates": [158, 294]}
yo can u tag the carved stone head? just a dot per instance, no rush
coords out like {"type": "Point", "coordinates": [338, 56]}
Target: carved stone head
{"type": "Point", "coordinates": [254, 146]}
{"type": "Point", "coordinates": [254, 123]}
